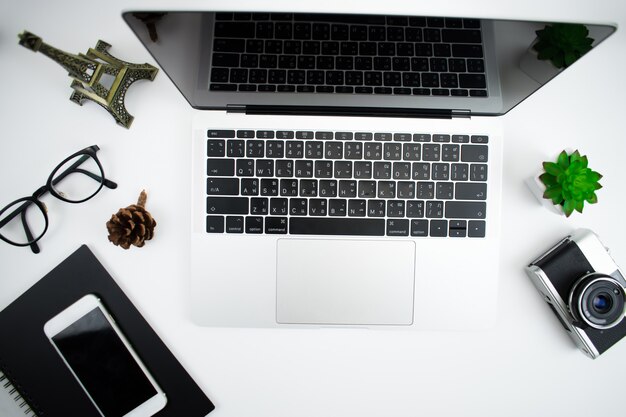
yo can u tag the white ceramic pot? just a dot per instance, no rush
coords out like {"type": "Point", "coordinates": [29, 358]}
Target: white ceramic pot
{"type": "Point", "coordinates": [538, 188]}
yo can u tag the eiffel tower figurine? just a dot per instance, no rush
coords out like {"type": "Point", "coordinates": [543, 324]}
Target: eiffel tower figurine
{"type": "Point", "coordinates": [87, 71]}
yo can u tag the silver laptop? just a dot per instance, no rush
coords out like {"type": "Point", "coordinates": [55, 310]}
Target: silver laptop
{"type": "Point", "coordinates": [312, 220]}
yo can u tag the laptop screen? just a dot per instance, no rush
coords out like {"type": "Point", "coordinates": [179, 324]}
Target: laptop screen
{"type": "Point", "coordinates": [351, 64]}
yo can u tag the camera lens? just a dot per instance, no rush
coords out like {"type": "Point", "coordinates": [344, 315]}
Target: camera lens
{"type": "Point", "coordinates": [598, 300]}
{"type": "Point", "coordinates": [602, 303]}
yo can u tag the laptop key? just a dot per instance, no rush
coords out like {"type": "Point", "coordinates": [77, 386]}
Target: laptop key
{"type": "Point", "coordinates": [431, 152]}
{"type": "Point", "coordinates": [222, 186]}
{"type": "Point", "coordinates": [229, 45]}
{"type": "Point", "coordinates": [215, 224]}
{"type": "Point", "coordinates": [376, 208]}
{"type": "Point", "coordinates": [283, 30]}
{"type": "Point", "coordinates": [215, 147]}
{"type": "Point", "coordinates": [337, 207]}
{"type": "Point", "coordinates": [438, 228]}
{"type": "Point", "coordinates": [478, 172]}
{"type": "Point", "coordinates": [276, 225]}
{"type": "Point", "coordinates": [467, 51]}
{"type": "Point", "coordinates": [461, 36]}
{"type": "Point", "coordinates": [457, 228]}
{"type": "Point", "coordinates": [221, 167]}
{"type": "Point", "coordinates": [250, 186]}
{"type": "Point", "coordinates": [227, 205]}
{"type": "Point", "coordinates": [475, 65]}
{"type": "Point", "coordinates": [478, 93]}
{"type": "Point", "coordinates": [223, 87]}
{"type": "Point", "coordinates": [470, 191]}
{"type": "Point", "coordinates": [265, 30]}
{"type": "Point", "coordinates": [234, 224]}
{"type": "Point", "coordinates": [317, 207]}
{"type": "Point", "coordinates": [219, 75]}
{"type": "Point", "coordinates": [245, 167]}
{"type": "Point", "coordinates": [278, 206]}
{"type": "Point", "coordinates": [476, 228]}
{"type": "Point", "coordinates": [465, 210]}
{"type": "Point", "coordinates": [225, 60]}
{"type": "Point", "coordinates": [474, 153]}
{"type": "Point", "coordinates": [415, 208]}
{"type": "Point", "coordinates": [357, 208]}
{"type": "Point", "coordinates": [419, 227]}
{"type": "Point", "coordinates": [234, 29]}
{"type": "Point", "coordinates": [254, 224]}
{"type": "Point", "coordinates": [397, 227]}
{"type": "Point", "coordinates": [395, 208]}
{"type": "Point", "coordinates": [472, 81]}
{"type": "Point", "coordinates": [337, 226]}
{"type": "Point", "coordinates": [247, 87]}
{"type": "Point", "coordinates": [298, 207]}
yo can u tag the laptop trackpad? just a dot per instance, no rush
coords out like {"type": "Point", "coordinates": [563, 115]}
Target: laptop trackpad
{"type": "Point", "coordinates": [346, 282]}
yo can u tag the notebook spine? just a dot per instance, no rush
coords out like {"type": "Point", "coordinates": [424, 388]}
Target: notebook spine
{"type": "Point", "coordinates": [17, 393]}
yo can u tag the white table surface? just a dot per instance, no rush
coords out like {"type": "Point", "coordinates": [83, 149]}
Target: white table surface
{"type": "Point", "coordinates": [525, 366]}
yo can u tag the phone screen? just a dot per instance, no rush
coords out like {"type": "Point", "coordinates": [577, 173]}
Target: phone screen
{"type": "Point", "coordinates": [103, 364]}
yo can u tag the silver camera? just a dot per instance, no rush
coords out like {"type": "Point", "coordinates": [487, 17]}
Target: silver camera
{"type": "Point", "coordinates": [585, 289]}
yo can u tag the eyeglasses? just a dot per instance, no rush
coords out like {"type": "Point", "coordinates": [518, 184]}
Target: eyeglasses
{"type": "Point", "coordinates": [75, 180]}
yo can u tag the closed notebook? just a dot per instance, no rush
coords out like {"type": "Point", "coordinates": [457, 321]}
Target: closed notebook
{"type": "Point", "coordinates": [33, 375]}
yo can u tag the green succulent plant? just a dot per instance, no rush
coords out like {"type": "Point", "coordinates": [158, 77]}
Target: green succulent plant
{"type": "Point", "coordinates": [562, 43]}
{"type": "Point", "coordinates": [570, 182]}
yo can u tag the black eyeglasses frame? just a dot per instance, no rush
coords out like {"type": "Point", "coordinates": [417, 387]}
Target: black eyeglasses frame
{"type": "Point", "coordinates": [53, 179]}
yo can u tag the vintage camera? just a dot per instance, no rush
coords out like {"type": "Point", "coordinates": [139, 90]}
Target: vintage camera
{"type": "Point", "coordinates": [585, 289]}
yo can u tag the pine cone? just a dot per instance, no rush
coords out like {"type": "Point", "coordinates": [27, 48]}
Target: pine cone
{"type": "Point", "coordinates": [132, 225]}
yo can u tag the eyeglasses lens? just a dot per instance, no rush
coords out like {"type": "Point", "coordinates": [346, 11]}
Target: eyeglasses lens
{"type": "Point", "coordinates": [78, 179]}
{"type": "Point", "coordinates": [21, 216]}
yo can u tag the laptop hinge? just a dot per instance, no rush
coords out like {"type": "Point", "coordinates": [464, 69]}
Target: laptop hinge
{"type": "Point", "coordinates": [462, 113]}
{"type": "Point", "coordinates": [343, 111]}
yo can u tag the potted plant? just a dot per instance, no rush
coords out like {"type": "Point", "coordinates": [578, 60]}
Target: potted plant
{"type": "Point", "coordinates": [556, 47]}
{"type": "Point", "coordinates": [567, 183]}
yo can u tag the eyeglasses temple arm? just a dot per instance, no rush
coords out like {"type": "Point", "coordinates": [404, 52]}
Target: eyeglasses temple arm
{"type": "Point", "coordinates": [33, 246]}
{"type": "Point", "coordinates": [74, 168]}
{"type": "Point", "coordinates": [20, 210]}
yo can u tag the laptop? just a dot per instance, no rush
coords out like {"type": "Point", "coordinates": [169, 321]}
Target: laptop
{"type": "Point", "coordinates": [346, 170]}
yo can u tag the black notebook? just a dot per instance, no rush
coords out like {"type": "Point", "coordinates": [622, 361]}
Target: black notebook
{"type": "Point", "coordinates": [35, 375]}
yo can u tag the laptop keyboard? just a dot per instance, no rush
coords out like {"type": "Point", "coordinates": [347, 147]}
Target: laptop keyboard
{"type": "Point", "coordinates": [350, 54]}
{"type": "Point", "coordinates": [309, 182]}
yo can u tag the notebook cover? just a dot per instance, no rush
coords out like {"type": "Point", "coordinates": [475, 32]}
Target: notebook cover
{"type": "Point", "coordinates": [29, 360]}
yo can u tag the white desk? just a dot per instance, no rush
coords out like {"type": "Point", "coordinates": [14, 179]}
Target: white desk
{"type": "Point", "coordinates": [525, 366]}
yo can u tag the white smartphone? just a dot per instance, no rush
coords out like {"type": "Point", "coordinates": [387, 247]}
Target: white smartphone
{"type": "Point", "coordinates": [103, 361]}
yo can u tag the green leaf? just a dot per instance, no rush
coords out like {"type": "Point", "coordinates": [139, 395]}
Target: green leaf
{"type": "Point", "coordinates": [563, 160]}
{"type": "Point", "coordinates": [552, 191]}
{"type": "Point", "coordinates": [568, 207]}
{"type": "Point", "coordinates": [594, 176]}
{"type": "Point", "coordinates": [593, 199]}
{"type": "Point", "coordinates": [547, 179]}
{"type": "Point", "coordinates": [552, 168]}
{"type": "Point", "coordinates": [579, 205]}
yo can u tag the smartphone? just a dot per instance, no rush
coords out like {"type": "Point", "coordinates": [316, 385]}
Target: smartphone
{"type": "Point", "coordinates": [103, 361]}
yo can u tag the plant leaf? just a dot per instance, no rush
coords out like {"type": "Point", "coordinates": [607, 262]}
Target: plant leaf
{"type": "Point", "coordinates": [579, 205]}
{"type": "Point", "coordinates": [568, 207]}
{"type": "Point", "coordinates": [547, 179]}
{"type": "Point", "coordinates": [593, 199]}
{"type": "Point", "coordinates": [594, 176]}
{"type": "Point", "coordinates": [575, 156]}
{"type": "Point", "coordinates": [553, 191]}
{"type": "Point", "coordinates": [563, 160]}
{"type": "Point", "coordinates": [552, 168]}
